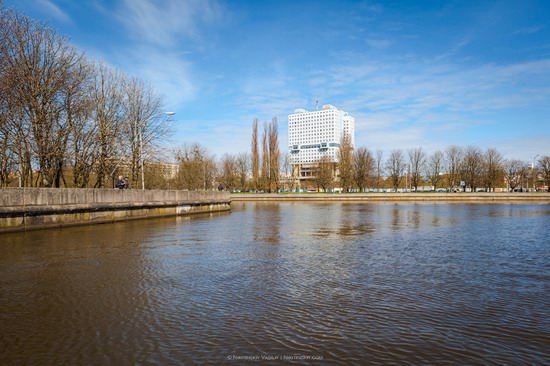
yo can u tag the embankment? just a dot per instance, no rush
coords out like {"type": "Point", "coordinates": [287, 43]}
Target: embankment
{"type": "Point", "coordinates": [37, 208]}
{"type": "Point", "coordinates": [396, 197]}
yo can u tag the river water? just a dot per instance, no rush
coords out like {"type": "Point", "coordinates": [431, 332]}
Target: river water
{"type": "Point", "coordinates": [309, 283]}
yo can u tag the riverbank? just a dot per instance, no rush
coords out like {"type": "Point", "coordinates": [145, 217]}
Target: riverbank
{"type": "Point", "coordinates": [396, 197]}
{"type": "Point", "coordinates": [39, 208]}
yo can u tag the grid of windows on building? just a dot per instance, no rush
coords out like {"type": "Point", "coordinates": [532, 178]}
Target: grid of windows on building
{"type": "Point", "coordinates": [315, 134]}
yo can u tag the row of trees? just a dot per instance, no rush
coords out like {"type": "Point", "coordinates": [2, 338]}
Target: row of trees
{"type": "Point", "coordinates": [470, 166]}
{"type": "Point", "coordinates": [358, 169]}
{"type": "Point", "coordinates": [66, 121]}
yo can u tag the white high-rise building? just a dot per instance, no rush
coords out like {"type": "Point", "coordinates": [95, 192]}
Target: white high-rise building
{"type": "Point", "coordinates": [312, 135]}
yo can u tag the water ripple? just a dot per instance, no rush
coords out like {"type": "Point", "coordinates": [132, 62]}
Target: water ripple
{"type": "Point", "coordinates": [352, 283]}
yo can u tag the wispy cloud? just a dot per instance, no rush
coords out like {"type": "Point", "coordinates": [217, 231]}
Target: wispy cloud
{"type": "Point", "coordinates": [164, 23]}
{"type": "Point", "coordinates": [270, 94]}
{"type": "Point", "coordinates": [171, 74]}
{"type": "Point", "coordinates": [161, 34]}
{"type": "Point", "coordinates": [408, 103]}
{"type": "Point", "coordinates": [528, 30]}
{"type": "Point", "coordinates": [51, 9]}
{"type": "Point", "coordinates": [455, 48]}
{"type": "Point", "coordinates": [370, 7]}
{"type": "Point", "coordinates": [378, 43]}
{"type": "Point", "coordinates": [404, 103]}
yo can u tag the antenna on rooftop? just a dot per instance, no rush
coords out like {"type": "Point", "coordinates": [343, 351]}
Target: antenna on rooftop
{"type": "Point", "coordinates": [317, 105]}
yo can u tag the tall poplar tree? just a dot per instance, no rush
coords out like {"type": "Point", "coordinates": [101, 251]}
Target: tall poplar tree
{"type": "Point", "coordinates": [274, 155]}
{"type": "Point", "coordinates": [264, 174]}
{"type": "Point", "coordinates": [255, 156]}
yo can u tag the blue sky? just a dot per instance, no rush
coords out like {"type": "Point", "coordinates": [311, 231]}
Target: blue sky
{"type": "Point", "coordinates": [413, 73]}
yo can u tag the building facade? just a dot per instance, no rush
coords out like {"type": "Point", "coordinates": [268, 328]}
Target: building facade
{"type": "Point", "coordinates": [315, 134]}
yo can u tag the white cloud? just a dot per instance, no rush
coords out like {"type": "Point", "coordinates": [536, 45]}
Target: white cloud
{"type": "Point", "coordinates": [161, 33]}
{"type": "Point", "coordinates": [219, 136]}
{"type": "Point", "coordinates": [155, 54]}
{"type": "Point", "coordinates": [455, 48]}
{"type": "Point", "coordinates": [54, 11]}
{"type": "Point", "coordinates": [168, 72]}
{"type": "Point", "coordinates": [406, 103]}
{"type": "Point", "coordinates": [162, 23]}
{"type": "Point", "coordinates": [378, 43]}
{"type": "Point", "coordinates": [528, 30]}
{"type": "Point", "coordinates": [401, 104]}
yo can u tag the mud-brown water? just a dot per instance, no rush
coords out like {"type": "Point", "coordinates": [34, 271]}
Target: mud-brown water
{"type": "Point", "coordinates": [346, 283]}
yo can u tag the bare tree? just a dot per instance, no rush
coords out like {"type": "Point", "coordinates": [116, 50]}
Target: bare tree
{"type": "Point", "coordinates": [242, 169]}
{"type": "Point", "coordinates": [190, 167]}
{"type": "Point", "coordinates": [76, 110]}
{"type": "Point", "coordinates": [255, 156]}
{"type": "Point", "coordinates": [345, 162]}
{"type": "Point", "coordinates": [229, 178]}
{"type": "Point", "coordinates": [514, 172]}
{"type": "Point", "coordinates": [264, 174]}
{"type": "Point", "coordinates": [417, 161]}
{"type": "Point", "coordinates": [83, 141]}
{"type": "Point", "coordinates": [158, 175]}
{"type": "Point", "coordinates": [12, 124]}
{"type": "Point", "coordinates": [544, 167]}
{"type": "Point", "coordinates": [61, 115]}
{"type": "Point", "coordinates": [43, 68]}
{"type": "Point", "coordinates": [472, 167]}
{"type": "Point", "coordinates": [107, 98]}
{"type": "Point", "coordinates": [395, 166]}
{"type": "Point", "coordinates": [363, 164]}
{"type": "Point", "coordinates": [493, 170]}
{"type": "Point", "coordinates": [210, 171]}
{"type": "Point", "coordinates": [8, 128]}
{"type": "Point", "coordinates": [379, 167]}
{"type": "Point", "coordinates": [434, 168]}
{"type": "Point", "coordinates": [197, 169]}
{"type": "Point", "coordinates": [144, 124]}
{"type": "Point", "coordinates": [274, 155]}
{"type": "Point", "coordinates": [324, 173]}
{"type": "Point", "coordinates": [8, 158]}
{"type": "Point", "coordinates": [454, 156]}
{"type": "Point", "coordinates": [288, 172]}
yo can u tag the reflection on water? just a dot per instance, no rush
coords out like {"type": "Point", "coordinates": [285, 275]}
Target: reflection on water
{"type": "Point", "coordinates": [348, 283]}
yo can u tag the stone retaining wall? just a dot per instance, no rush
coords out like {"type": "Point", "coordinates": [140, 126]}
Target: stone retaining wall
{"type": "Point", "coordinates": [397, 197]}
{"type": "Point", "coordinates": [36, 208]}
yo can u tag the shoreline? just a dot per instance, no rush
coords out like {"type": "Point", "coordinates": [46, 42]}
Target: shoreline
{"type": "Point", "coordinates": [543, 197]}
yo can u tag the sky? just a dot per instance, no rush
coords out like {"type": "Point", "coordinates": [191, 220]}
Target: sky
{"type": "Point", "coordinates": [413, 73]}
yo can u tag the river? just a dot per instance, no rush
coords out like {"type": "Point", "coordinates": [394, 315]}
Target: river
{"type": "Point", "coordinates": [316, 283]}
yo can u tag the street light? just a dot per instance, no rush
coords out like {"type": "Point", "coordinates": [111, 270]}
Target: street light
{"type": "Point", "coordinates": [141, 151]}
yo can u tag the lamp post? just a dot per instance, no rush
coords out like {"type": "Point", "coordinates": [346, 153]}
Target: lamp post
{"type": "Point", "coordinates": [141, 159]}
{"type": "Point", "coordinates": [140, 137]}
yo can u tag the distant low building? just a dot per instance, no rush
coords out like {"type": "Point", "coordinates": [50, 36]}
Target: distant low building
{"type": "Point", "coordinates": [169, 170]}
{"type": "Point", "coordinates": [166, 170]}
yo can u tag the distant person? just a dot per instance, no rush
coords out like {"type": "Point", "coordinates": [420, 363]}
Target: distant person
{"type": "Point", "coordinates": [119, 183]}
{"type": "Point", "coordinates": [126, 183]}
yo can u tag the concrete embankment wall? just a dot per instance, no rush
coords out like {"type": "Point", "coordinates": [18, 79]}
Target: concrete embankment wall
{"type": "Point", "coordinates": [36, 208]}
{"type": "Point", "coordinates": [397, 197]}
